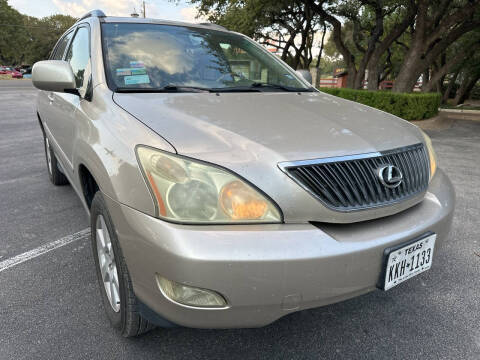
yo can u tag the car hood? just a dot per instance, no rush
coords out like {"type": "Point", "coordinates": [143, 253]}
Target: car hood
{"type": "Point", "coordinates": [250, 133]}
{"type": "Point", "coordinates": [294, 126]}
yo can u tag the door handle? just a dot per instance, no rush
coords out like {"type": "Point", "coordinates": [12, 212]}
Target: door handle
{"type": "Point", "coordinates": [51, 97]}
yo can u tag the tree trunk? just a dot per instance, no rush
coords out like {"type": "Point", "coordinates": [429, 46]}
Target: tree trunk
{"type": "Point", "coordinates": [286, 49]}
{"type": "Point", "coordinates": [465, 88]}
{"type": "Point", "coordinates": [394, 34]}
{"type": "Point", "coordinates": [451, 82]}
{"type": "Point", "coordinates": [373, 73]}
{"type": "Point", "coordinates": [372, 43]}
{"type": "Point", "coordinates": [470, 87]}
{"type": "Point", "coordinates": [348, 56]}
{"type": "Point", "coordinates": [439, 82]}
{"type": "Point", "coordinates": [299, 51]}
{"type": "Point", "coordinates": [430, 40]}
{"type": "Point", "coordinates": [319, 58]}
{"type": "Point", "coordinates": [352, 75]}
{"type": "Point", "coordinates": [410, 70]}
{"type": "Point", "coordinates": [426, 76]}
{"type": "Point", "coordinates": [453, 62]}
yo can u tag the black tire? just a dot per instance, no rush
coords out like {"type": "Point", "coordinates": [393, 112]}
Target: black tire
{"type": "Point", "coordinates": [127, 319]}
{"type": "Point", "coordinates": [56, 176]}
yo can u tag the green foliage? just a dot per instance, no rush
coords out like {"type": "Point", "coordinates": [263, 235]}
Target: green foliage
{"type": "Point", "coordinates": [44, 35]}
{"type": "Point", "coordinates": [328, 66]}
{"type": "Point", "coordinates": [12, 36]}
{"type": "Point", "coordinates": [283, 24]}
{"type": "Point", "coordinates": [392, 39]}
{"type": "Point", "coordinates": [409, 106]}
{"type": "Point", "coordinates": [25, 39]}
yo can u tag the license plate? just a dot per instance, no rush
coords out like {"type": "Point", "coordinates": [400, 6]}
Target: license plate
{"type": "Point", "coordinates": [408, 261]}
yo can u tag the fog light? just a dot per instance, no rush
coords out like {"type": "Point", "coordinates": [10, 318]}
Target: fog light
{"type": "Point", "coordinates": [189, 295]}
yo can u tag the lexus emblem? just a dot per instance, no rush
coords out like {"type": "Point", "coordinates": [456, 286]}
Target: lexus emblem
{"type": "Point", "coordinates": [390, 176]}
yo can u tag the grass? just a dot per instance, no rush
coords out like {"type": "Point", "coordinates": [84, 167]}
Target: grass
{"type": "Point", "coordinates": [8, 77]}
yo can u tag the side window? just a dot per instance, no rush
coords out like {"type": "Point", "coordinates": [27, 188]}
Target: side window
{"type": "Point", "coordinates": [78, 56]}
{"type": "Point", "coordinates": [58, 52]}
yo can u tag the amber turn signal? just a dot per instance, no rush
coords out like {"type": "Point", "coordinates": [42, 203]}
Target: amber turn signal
{"type": "Point", "coordinates": [240, 202]}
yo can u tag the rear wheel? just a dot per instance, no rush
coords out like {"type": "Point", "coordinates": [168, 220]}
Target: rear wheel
{"type": "Point", "coordinates": [116, 288]}
{"type": "Point", "coordinates": [56, 176]}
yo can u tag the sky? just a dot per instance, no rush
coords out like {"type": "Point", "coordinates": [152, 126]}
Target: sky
{"type": "Point", "coordinates": [163, 9]}
{"type": "Point", "coordinates": [180, 10]}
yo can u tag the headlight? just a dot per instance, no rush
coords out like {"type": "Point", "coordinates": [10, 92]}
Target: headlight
{"type": "Point", "coordinates": [191, 191]}
{"type": "Point", "coordinates": [431, 155]}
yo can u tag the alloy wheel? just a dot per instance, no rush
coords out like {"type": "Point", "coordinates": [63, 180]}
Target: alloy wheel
{"type": "Point", "coordinates": [108, 266]}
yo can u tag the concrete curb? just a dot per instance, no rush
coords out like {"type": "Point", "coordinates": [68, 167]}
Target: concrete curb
{"type": "Point", "coordinates": [460, 114]}
{"type": "Point", "coordinates": [456, 111]}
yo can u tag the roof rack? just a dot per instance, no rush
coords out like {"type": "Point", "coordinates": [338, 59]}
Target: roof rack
{"type": "Point", "coordinates": [93, 13]}
{"type": "Point", "coordinates": [212, 25]}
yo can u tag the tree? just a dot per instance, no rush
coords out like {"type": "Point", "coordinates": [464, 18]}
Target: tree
{"type": "Point", "coordinates": [362, 40]}
{"type": "Point", "coordinates": [44, 33]}
{"type": "Point", "coordinates": [469, 75]}
{"type": "Point", "coordinates": [400, 39]}
{"type": "Point", "coordinates": [287, 25]}
{"type": "Point", "coordinates": [12, 34]}
{"type": "Point", "coordinates": [25, 39]}
{"type": "Point", "coordinates": [319, 57]}
{"type": "Point", "coordinates": [437, 25]}
{"type": "Point", "coordinates": [397, 23]}
{"type": "Point", "coordinates": [457, 56]}
{"type": "Point", "coordinates": [463, 92]}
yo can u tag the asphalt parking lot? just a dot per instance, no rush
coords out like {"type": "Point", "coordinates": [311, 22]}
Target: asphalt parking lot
{"type": "Point", "coordinates": [50, 306]}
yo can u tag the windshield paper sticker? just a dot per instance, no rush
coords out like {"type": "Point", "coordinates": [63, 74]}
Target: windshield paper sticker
{"type": "Point", "coordinates": [127, 72]}
{"type": "Point", "coordinates": [136, 79]}
{"type": "Point", "coordinates": [137, 64]}
{"type": "Point", "coordinates": [123, 72]}
{"type": "Point", "coordinates": [140, 71]}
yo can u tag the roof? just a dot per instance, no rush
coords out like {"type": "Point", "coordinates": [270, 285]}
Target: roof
{"type": "Point", "coordinates": [100, 14]}
{"type": "Point", "coordinates": [162, 22]}
{"type": "Point", "coordinates": [340, 72]}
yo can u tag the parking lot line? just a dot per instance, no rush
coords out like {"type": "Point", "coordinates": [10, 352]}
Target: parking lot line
{"type": "Point", "coordinates": [18, 259]}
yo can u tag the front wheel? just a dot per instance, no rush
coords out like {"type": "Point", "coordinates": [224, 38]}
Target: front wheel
{"type": "Point", "coordinates": [116, 288]}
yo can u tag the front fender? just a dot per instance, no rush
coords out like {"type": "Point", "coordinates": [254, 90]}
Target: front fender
{"type": "Point", "coordinates": [105, 141]}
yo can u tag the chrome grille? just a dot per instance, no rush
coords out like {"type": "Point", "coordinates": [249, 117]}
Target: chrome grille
{"type": "Point", "coordinates": [352, 183]}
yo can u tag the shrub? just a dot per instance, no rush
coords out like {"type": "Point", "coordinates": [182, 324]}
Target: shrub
{"type": "Point", "coordinates": [409, 106]}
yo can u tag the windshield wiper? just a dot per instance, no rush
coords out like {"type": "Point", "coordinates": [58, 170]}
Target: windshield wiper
{"type": "Point", "coordinates": [257, 86]}
{"type": "Point", "coordinates": [236, 89]}
{"type": "Point", "coordinates": [165, 89]}
{"type": "Point", "coordinates": [278, 86]}
{"type": "Point", "coordinates": [171, 88]}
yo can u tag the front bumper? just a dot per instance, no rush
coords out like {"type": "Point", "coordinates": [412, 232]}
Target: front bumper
{"type": "Point", "coordinates": [268, 271]}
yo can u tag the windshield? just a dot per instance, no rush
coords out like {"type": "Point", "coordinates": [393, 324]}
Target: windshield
{"type": "Point", "coordinates": [151, 56]}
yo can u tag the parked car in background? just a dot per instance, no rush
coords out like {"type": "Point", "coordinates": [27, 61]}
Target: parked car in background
{"type": "Point", "coordinates": [24, 69]}
{"type": "Point", "coordinates": [7, 70]}
{"type": "Point", "coordinates": [223, 189]}
{"type": "Point", "coordinates": [16, 74]}
{"type": "Point", "coordinates": [27, 74]}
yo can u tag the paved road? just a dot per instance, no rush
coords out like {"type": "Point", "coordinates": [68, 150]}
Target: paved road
{"type": "Point", "coordinates": [50, 307]}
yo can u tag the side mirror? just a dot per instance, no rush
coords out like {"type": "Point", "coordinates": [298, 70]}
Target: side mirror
{"type": "Point", "coordinates": [305, 74]}
{"type": "Point", "coordinates": [54, 75]}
